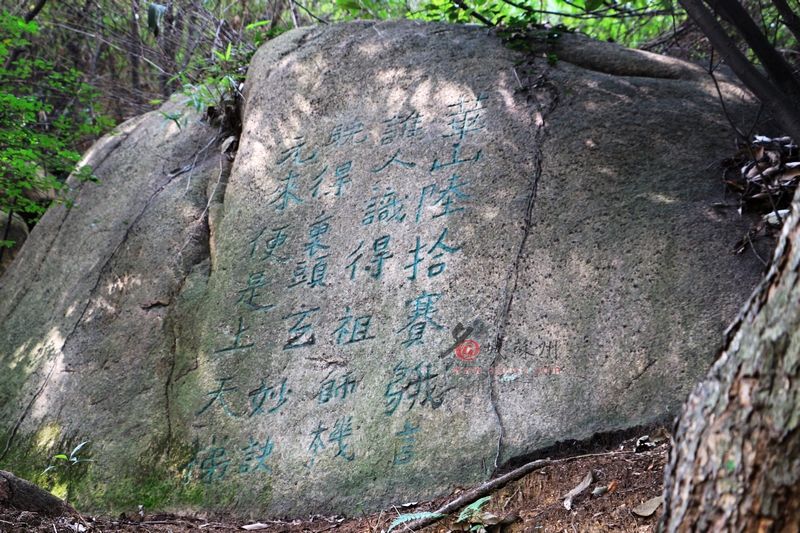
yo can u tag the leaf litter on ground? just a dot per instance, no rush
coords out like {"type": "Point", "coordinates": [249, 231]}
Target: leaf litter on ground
{"type": "Point", "coordinates": [762, 176]}
{"type": "Point", "coordinates": [531, 503]}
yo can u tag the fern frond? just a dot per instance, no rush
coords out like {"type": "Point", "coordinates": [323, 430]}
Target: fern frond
{"type": "Point", "coordinates": [403, 518]}
{"type": "Point", "coordinates": [473, 509]}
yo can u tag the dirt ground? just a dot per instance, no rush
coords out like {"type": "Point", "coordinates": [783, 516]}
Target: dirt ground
{"type": "Point", "coordinates": [633, 474]}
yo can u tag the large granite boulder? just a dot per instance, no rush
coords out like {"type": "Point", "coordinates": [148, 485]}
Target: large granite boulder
{"type": "Point", "coordinates": [427, 259]}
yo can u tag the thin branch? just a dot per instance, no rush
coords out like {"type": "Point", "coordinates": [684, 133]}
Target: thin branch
{"type": "Point", "coordinates": [711, 69]}
{"type": "Point", "coordinates": [304, 8]}
{"type": "Point", "coordinates": [472, 12]}
{"type": "Point", "coordinates": [479, 492]}
{"type": "Point", "coordinates": [493, 485]}
{"type": "Point", "coordinates": [573, 4]}
{"type": "Point", "coordinates": [774, 63]}
{"type": "Point", "coordinates": [780, 106]}
{"type": "Point", "coordinates": [520, 6]}
{"type": "Point", "coordinates": [675, 28]}
{"type": "Point", "coordinates": [216, 39]}
{"type": "Point", "coordinates": [666, 38]}
{"type": "Point", "coordinates": [115, 47]}
{"type": "Point", "coordinates": [752, 247]}
{"type": "Point", "coordinates": [744, 138]}
{"type": "Point", "coordinates": [789, 17]}
{"type": "Point", "coordinates": [190, 168]}
{"type": "Point", "coordinates": [622, 13]}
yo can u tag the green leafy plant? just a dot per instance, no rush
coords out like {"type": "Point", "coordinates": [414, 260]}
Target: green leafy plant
{"type": "Point", "coordinates": [218, 93]}
{"type": "Point", "coordinates": [45, 113]}
{"type": "Point", "coordinates": [403, 518]}
{"type": "Point", "coordinates": [71, 462]}
{"type": "Point", "coordinates": [471, 513]}
{"type": "Point", "coordinates": [260, 33]}
{"type": "Point", "coordinates": [174, 117]}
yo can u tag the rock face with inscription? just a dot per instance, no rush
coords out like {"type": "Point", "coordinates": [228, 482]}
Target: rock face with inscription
{"type": "Point", "coordinates": [427, 260]}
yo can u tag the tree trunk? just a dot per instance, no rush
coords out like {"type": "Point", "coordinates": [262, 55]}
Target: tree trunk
{"type": "Point", "coordinates": [171, 36]}
{"type": "Point", "coordinates": [735, 460]}
{"type": "Point", "coordinates": [23, 495]}
{"type": "Point", "coordinates": [134, 51]}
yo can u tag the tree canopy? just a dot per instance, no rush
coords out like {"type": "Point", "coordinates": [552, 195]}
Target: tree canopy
{"type": "Point", "coordinates": [137, 53]}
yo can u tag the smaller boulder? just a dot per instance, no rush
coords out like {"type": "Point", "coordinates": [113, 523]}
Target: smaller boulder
{"type": "Point", "coordinates": [17, 233]}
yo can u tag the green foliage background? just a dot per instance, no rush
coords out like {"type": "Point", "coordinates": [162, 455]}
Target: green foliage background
{"type": "Point", "coordinates": [45, 114]}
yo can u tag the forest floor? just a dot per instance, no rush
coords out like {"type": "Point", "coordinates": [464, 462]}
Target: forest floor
{"type": "Point", "coordinates": [632, 471]}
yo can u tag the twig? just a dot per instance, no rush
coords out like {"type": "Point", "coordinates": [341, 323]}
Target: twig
{"type": "Point", "coordinates": [80, 517]}
{"type": "Point", "coordinates": [213, 191]}
{"type": "Point", "coordinates": [94, 36]}
{"type": "Point", "coordinates": [205, 210]}
{"type": "Point", "coordinates": [747, 146]}
{"type": "Point", "coordinates": [520, 6]}
{"type": "Point", "coordinates": [491, 486]}
{"type": "Point", "coordinates": [194, 163]}
{"type": "Point", "coordinates": [182, 170]}
{"type": "Point", "coordinates": [621, 13]}
{"type": "Point", "coordinates": [480, 491]}
{"type": "Point", "coordinates": [511, 498]}
{"type": "Point", "coordinates": [516, 76]}
{"type": "Point", "coordinates": [304, 8]}
{"type": "Point", "coordinates": [711, 69]}
{"type": "Point", "coordinates": [754, 248]}
{"type": "Point", "coordinates": [765, 90]}
{"type": "Point", "coordinates": [465, 7]}
{"type": "Point", "coordinates": [377, 522]}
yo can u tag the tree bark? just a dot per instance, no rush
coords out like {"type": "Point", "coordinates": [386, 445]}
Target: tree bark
{"type": "Point", "coordinates": [23, 495]}
{"type": "Point", "coordinates": [168, 47]}
{"type": "Point", "coordinates": [735, 461]}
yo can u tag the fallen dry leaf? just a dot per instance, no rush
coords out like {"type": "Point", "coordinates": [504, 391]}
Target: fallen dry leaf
{"type": "Point", "coordinates": [577, 490]}
{"type": "Point", "coordinates": [649, 507]}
